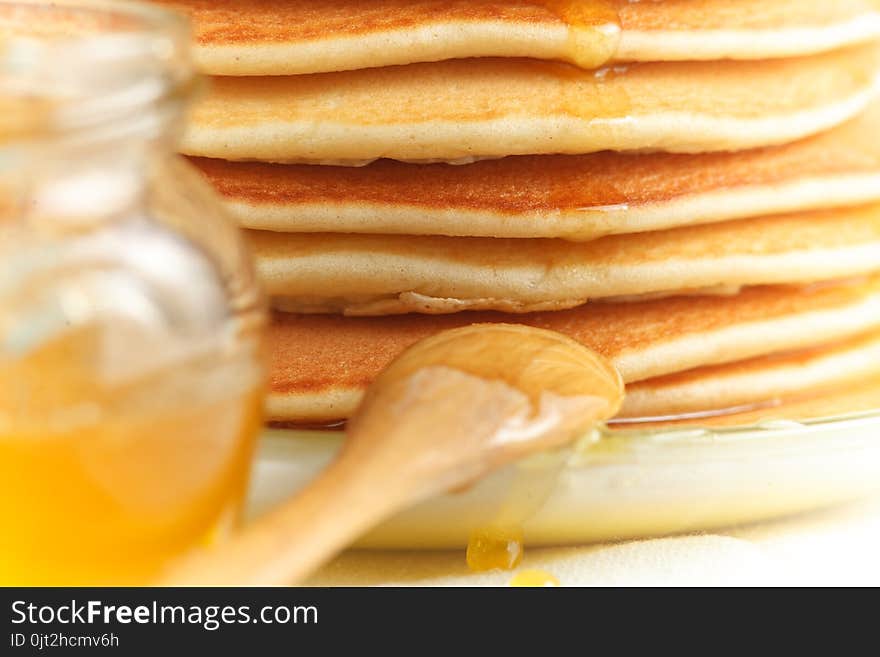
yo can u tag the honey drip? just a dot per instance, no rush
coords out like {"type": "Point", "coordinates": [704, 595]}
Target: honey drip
{"type": "Point", "coordinates": [534, 578]}
{"type": "Point", "coordinates": [518, 390]}
{"type": "Point", "coordinates": [593, 29]}
{"type": "Point", "coordinates": [499, 546]}
{"type": "Point", "coordinates": [594, 38]}
{"type": "Point", "coordinates": [495, 548]}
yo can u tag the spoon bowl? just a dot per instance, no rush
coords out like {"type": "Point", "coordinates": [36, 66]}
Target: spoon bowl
{"type": "Point", "coordinates": [446, 412]}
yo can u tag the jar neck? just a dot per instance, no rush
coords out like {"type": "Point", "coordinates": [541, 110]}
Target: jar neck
{"type": "Point", "coordinates": [91, 91]}
{"type": "Point", "coordinates": [80, 178]}
{"type": "Point", "coordinates": [81, 186]}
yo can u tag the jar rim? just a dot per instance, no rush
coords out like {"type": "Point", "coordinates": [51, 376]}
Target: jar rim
{"type": "Point", "coordinates": [79, 64]}
{"type": "Point", "coordinates": [145, 16]}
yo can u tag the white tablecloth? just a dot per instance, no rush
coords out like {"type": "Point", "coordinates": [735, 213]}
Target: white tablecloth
{"type": "Point", "coordinates": [839, 547]}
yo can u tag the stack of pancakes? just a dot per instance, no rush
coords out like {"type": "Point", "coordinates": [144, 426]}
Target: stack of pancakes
{"type": "Point", "coordinates": [690, 187]}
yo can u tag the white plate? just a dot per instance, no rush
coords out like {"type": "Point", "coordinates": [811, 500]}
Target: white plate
{"type": "Point", "coordinates": [619, 484]}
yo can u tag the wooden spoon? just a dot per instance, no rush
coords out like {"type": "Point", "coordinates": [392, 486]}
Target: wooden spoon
{"type": "Point", "coordinates": [446, 412]}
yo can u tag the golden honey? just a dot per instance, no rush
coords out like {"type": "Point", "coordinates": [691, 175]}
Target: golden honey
{"type": "Point", "coordinates": [533, 578]}
{"type": "Point", "coordinates": [495, 549]}
{"type": "Point", "coordinates": [131, 373]}
{"type": "Point", "coordinates": [105, 484]}
{"type": "Point", "coordinates": [593, 26]}
{"type": "Point", "coordinates": [500, 545]}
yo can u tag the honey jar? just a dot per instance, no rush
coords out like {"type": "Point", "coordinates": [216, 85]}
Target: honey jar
{"type": "Point", "coordinates": [131, 371]}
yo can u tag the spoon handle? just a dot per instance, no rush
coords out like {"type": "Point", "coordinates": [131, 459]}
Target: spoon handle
{"type": "Point", "coordinates": [290, 541]}
{"type": "Point", "coordinates": [395, 455]}
{"type": "Point", "coordinates": [446, 412]}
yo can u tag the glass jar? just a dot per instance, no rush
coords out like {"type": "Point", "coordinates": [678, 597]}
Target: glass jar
{"type": "Point", "coordinates": [131, 372]}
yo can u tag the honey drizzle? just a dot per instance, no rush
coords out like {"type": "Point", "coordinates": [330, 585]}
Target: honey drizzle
{"type": "Point", "coordinates": [499, 545]}
{"type": "Point", "coordinates": [593, 29]}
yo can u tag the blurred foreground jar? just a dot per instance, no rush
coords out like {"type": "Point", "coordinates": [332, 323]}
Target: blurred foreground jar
{"type": "Point", "coordinates": [130, 323]}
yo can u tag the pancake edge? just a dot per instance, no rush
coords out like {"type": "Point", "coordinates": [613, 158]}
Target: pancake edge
{"type": "Point", "coordinates": [674, 132]}
{"type": "Point", "coordinates": [291, 283]}
{"type": "Point", "coordinates": [582, 224]}
{"type": "Point", "coordinates": [734, 343]}
{"type": "Point", "coordinates": [833, 367]}
{"type": "Point", "coordinates": [438, 41]}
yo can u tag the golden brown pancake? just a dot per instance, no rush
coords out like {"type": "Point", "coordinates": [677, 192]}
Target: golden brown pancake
{"type": "Point", "coordinates": [387, 274]}
{"type": "Point", "coordinates": [860, 397]}
{"type": "Point", "coordinates": [577, 197]}
{"type": "Point", "coordinates": [459, 110]}
{"type": "Point", "coordinates": [756, 381]}
{"type": "Point", "coordinates": [286, 37]}
{"type": "Point", "coordinates": [321, 364]}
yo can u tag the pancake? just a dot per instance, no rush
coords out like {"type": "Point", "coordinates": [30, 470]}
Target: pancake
{"type": "Point", "coordinates": [387, 274]}
{"type": "Point", "coordinates": [853, 400]}
{"type": "Point", "coordinates": [321, 364]}
{"type": "Point", "coordinates": [578, 197]}
{"type": "Point", "coordinates": [755, 381]}
{"type": "Point", "coordinates": [459, 110]}
{"type": "Point", "coordinates": [287, 37]}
